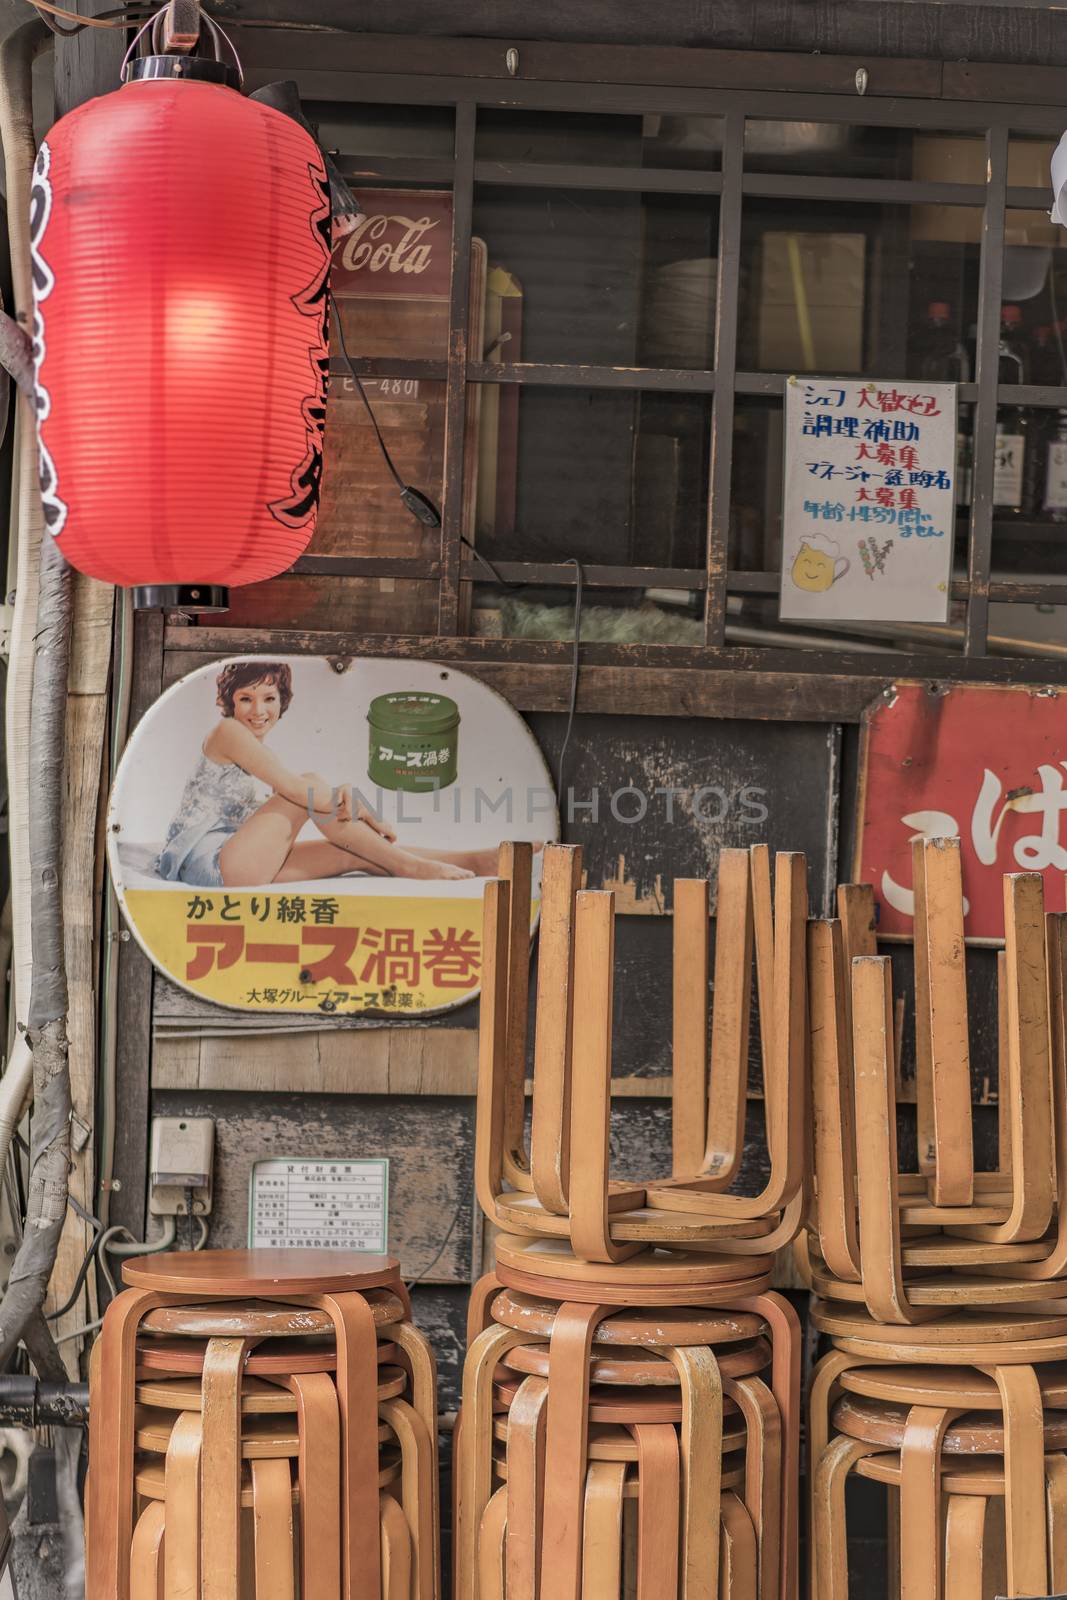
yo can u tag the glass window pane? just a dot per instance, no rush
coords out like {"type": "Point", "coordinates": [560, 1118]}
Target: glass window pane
{"type": "Point", "coordinates": [855, 289]}
{"type": "Point", "coordinates": [602, 278]}
{"type": "Point", "coordinates": [756, 495]}
{"type": "Point", "coordinates": [826, 147]}
{"type": "Point", "coordinates": [606, 476]}
{"type": "Point", "coordinates": [1029, 158]}
{"type": "Point", "coordinates": [1030, 484]}
{"type": "Point", "coordinates": [609, 616]}
{"type": "Point", "coordinates": [578, 138]}
{"type": "Point", "coordinates": [845, 150]}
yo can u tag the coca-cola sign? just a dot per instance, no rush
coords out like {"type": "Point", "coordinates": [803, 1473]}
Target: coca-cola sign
{"type": "Point", "coordinates": [402, 247]}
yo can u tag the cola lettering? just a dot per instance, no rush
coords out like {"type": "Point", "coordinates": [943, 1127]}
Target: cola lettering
{"type": "Point", "coordinates": [368, 247]}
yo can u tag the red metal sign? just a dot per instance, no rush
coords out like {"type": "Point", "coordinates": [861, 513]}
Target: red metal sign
{"type": "Point", "coordinates": [986, 763]}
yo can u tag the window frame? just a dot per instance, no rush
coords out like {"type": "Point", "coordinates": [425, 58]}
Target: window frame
{"type": "Point", "coordinates": [468, 75]}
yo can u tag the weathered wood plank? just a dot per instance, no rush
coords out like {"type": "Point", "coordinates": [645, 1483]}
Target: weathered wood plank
{"type": "Point", "coordinates": [407, 1061]}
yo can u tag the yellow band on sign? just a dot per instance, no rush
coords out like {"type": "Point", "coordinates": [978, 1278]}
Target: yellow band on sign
{"type": "Point", "coordinates": [313, 952]}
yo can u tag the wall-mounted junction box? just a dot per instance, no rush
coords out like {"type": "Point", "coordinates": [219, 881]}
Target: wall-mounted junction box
{"type": "Point", "coordinates": [181, 1165]}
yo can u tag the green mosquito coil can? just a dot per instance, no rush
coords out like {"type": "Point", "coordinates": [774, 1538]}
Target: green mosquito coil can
{"type": "Point", "coordinates": [413, 739]}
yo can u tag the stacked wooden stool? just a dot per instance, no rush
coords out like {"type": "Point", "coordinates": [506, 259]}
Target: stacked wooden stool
{"type": "Point", "coordinates": [631, 1390]}
{"type": "Point", "coordinates": [262, 1427]}
{"type": "Point", "coordinates": [941, 1290]}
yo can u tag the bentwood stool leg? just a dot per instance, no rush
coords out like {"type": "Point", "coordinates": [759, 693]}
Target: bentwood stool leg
{"type": "Point", "coordinates": [220, 1469]}
{"type": "Point", "coordinates": [700, 1387]}
{"type": "Point", "coordinates": [394, 1551]}
{"type": "Point", "coordinates": [527, 1418]}
{"type": "Point", "coordinates": [181, 1509]}
{"type": "Point", "coordinates": [1056, 1493]}
{"type": "Point", "coordinates": [146, 1554]}
{"type": "Point", "coordinates": [657, 1512]}
{"type": "Point", "coordinates": [763, 1474]}
{"type": "Point", "coordinates": [565, 1448]}
{"type": "Point", "coordinates": [319, 1476]}
{"type": "Point", "coordinates": [415, 1348]}
{"type": "Point", "coordinates": [1024, 1478]}
{"type": "Point", "coordinates": [964, 1546]}
{"type": "Point", "coordinates": [272, 1513]}
{"type": "Point", "coordinates": [920, 1502]}
{"type": "Point", "coordinates": [418, 1487]}
{"type": "Point", "coordinates": [483, 1293]}
{"type": "Point", "coordinates": [602, 1545]}
{"type": "Point", "coordinates": [109, 1499]}
{"type": "Point", "coordinates": [473, 1450]}
{"type": "Point", "coordinates": [738, 1560]}
{"type": "Point", "coordinates": [784, 1326]}
{"type": "Point", "coordinates": [491, 1548]}
{"type": "Point", "coordinates": [357, 1395]}
{"type": "Point", "coordinates": [829, 1369]}
{"type": "Point", "coordinates": [829, 1529]}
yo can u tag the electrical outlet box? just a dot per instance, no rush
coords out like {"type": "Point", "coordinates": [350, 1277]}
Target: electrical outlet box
{"type": "Point", "coordinates": [181, 1166]}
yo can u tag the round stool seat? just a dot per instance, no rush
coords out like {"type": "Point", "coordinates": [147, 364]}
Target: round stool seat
{"type": "Point", "coordinates": [260, 1319]}
{"type": "Point", "coordinates": [262, 1438]}
{"type": "Point", "coordinates": [948, 1250]}
{"type": "Point", "coordinates": [226, 1274]}
{"type": "Point", "coordinates": [258, 1398]}
{"type": "Point", "coordinates": [150, 1480]}
{"type": "Point", "coordinates": [652, 1277]}
{"type": "Point", "coordinates": [951, 1291]}
{"type": "Point", "coordinates": [880, 1422]}
{"type": "Point", "coordinates": [957, 1387]}
{"type": "Point", "coordinates": [685, 1325]}
{"type": "Point", "coordinates": [1008, 1338]}
{"type": "Point", "coordinates": [639, 1408]}
{"type": "Point", "coordinates": [977, 1475]}
{"type": "Point", "coordinates": [615, 1444]}
{"type": "Point", "coordinates": [523, 1212]}
{"type": "Point", "coordinates": [626, 1366]}
{"type": "Point", "coordinates": [279, 1359]}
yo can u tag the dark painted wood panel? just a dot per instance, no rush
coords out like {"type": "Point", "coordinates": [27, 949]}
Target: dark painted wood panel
{"type": "Point", "coordinates": [692, 787]}
{"type": "Point", "coordinates": [1024, 31]}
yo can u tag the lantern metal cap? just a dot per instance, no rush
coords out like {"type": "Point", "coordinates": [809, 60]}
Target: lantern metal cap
{"type": "Point", "coordinates": [181, 597]}
{"type": "Point", "coordinates": [200, 68]}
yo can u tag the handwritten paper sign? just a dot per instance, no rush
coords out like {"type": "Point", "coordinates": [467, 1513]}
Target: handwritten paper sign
{"type": "Point", "coordinates": [868, 505]}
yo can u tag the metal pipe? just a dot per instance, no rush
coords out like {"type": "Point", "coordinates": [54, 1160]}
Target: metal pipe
{"type": "Point", "coordinates": [17, 54]}
{"type": "Point", "coordinates": [112, 931]}
{"type": "Point", "coordinates": [26, 1402]}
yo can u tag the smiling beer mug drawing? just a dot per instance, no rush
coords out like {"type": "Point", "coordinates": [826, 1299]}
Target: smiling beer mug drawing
{"type": "Point", "coordinates": [818, 565]}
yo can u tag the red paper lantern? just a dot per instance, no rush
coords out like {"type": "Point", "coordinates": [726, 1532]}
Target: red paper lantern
{"type": "Point", "coordinates": [181, 250]}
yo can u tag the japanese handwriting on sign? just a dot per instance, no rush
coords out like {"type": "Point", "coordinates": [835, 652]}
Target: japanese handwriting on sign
{"type": "Point", "coordinates": [1033, 852]}
{"type": "Point", "coordinates": [877, 454]}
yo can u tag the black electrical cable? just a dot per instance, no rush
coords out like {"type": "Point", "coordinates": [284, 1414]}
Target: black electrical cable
{"type": "Point", "coordinates": [572, 562]}
{"type": "Point", "coordinates": [421, 506]}
{"type": "Point", "coordinates": [443, 1246]}
{"type": "Point", "coordinates": [90, 1256]}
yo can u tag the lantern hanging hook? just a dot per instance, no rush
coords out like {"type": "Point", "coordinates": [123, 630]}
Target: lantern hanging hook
{"type": "Point", "coordinates": [219, 38]}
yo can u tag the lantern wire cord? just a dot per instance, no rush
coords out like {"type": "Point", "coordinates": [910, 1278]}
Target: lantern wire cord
{"type": "Point", "coordinates": [421, 506]}
{"type": "Point", "coordinates": [45, 9]}
{"type": "Point", "coordinates": [357, 380]}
